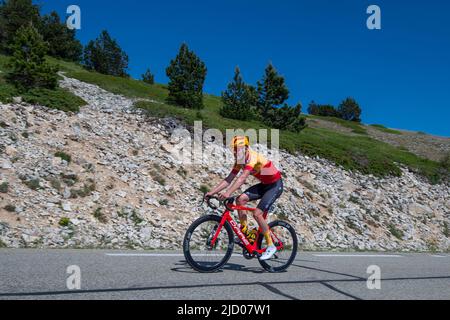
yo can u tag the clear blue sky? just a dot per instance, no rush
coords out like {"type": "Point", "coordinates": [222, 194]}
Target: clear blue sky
{"type": "Point", "coordinates": [400, 75]}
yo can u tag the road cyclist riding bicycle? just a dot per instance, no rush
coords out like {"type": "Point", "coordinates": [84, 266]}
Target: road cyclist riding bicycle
{"type": "Point", "coordinates": [210, 240]}
{"type": "Point", "coordinates": [267, 191]}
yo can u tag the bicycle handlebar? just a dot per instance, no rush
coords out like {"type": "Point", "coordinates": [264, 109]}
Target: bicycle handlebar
{"type": "Point", "coordinates": [225, 202]}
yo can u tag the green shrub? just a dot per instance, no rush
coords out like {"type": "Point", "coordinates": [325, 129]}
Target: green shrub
{"type": "Point", "coordinates": [446, 230]}
{"type": "Point", "coordinates": [4, 187]}
{"type": "Point", "coordinates": [55, 183]}
{"type": "Point", "coordinates": [69, 179]}
{"type": "Point", "coordinates": [148, 77]}
{"type": "Point", "coordinates": [163, 202]}
{"type": "Point", "coordinates": [283, 215]}
{"type": "Point", "coordinates": [33, 184]}
{"type": "Point", "coordinates": [396, 232]}
{"type": "Point", "coordinates": [100, 216]}
{"type": "Point", "coordinates": [84, 192]}
{"type": "Point", "coordinates": [323, 110]}
{"type": "Point", "coordinates": [7, 92]}
{"type": "Point", "coordinates": [2, 244]}
{"type": "Point", "coordinates": [64, 222]}
{"type": "Point", "coordinates": [182, 172]}
{"type": "Point", "coordinates": [204, 189]}
{"type": "Point", "coordinates": [133, 215]}
{"type": "Point", "coordinates": [64, 156]}
{"type": "Point", "coordinates": [10, 208]}
{"type": "Point", "coordinates": [158, 178]}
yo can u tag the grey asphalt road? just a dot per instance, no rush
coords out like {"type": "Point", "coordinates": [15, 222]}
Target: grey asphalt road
{"type": "Point", "coordinates": [42, 274]}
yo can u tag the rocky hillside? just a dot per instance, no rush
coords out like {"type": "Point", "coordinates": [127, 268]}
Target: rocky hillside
{"type": "Point", "coordinates": [106, 178]}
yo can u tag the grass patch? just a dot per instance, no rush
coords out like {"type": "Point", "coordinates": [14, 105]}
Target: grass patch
{"type": "Point", "coordinates": [360, 152]}
{"type": "Point", "coordinates": [204, 189]}
{"type": "Point", "coordinates": [59, 98]}
{"type": "Point", "coordinates": [446, 230]}
{"type": "Point", "coordinates": [396, 232]}
{"type": "Point", "coordinates": [124, 86]}
{"type": "Point", "coordinates": [64, 156]}
{"type": "Point", "coordinates": [4, 187]}
{"type": "Point", "coordinates": [355, 126]}
{"type": "Point", "coordinates": [382, 128]}
{"type": "Point", "coordinates": [2, 244]}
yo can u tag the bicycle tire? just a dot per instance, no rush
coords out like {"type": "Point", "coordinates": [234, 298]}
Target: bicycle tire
{"type": "Point", "coordinates": [291, 230]}
{"type": "Point", "coordinates": [186, 245]}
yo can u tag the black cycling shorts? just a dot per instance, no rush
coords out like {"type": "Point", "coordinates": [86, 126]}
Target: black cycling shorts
{"type": "Point", "coordinates": [268, 193]}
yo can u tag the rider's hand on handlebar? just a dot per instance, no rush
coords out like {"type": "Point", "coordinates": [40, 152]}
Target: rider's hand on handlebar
{"type": "Point", "coordinates": [223, 196]}
{"type": "Point", "coordinates": [208, 195]}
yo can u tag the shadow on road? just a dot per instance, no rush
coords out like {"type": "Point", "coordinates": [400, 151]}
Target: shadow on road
{"type": "Point", "coordinates": [269, 285]}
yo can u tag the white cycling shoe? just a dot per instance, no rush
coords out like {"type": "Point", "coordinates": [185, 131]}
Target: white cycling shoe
{"type": "Point", "coordinates": [268, 254]}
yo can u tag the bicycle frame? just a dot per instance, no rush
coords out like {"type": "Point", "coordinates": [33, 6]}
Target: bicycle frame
{"type": "Point", "coordinates": [251, 248]}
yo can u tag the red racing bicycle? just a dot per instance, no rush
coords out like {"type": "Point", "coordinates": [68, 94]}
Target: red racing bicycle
{"type": "Point", "coordinates": [209, 242]}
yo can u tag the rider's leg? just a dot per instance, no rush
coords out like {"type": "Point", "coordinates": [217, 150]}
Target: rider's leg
{"type": "Point", "coordinates": [273, 192]}
{"type": "Point", "coordinates": [251, 194]}
{"type": "Point", "coordinates": [259, 217]}
{"type": "Point", "coordinates": [243, 219]}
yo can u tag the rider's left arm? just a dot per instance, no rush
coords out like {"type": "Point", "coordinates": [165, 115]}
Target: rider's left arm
{"type": "Point", "coordinates": [237, 184]}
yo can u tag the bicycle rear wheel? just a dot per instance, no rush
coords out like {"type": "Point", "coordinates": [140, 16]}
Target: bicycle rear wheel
{"type": "Point", "coordinates": [199, 253]}
{"type": "Point", "coordinates": [282, 233]}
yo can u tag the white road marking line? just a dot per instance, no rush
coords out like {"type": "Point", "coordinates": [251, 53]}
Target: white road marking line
{"type": "Point", "coordinates": [438, 256]}
{"type": "Point", "coordinates": [358, 255]}
{"type": "Point", "coordinates": [156, 255]}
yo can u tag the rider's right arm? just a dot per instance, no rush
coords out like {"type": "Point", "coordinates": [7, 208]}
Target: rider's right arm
{"type": "Point", "coordinates": [224, 184]}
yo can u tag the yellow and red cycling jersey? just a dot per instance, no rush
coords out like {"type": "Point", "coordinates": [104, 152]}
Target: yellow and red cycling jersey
{"type": "Point", "coordinates": [261, 168]}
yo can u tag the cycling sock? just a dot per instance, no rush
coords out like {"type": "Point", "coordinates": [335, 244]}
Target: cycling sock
{"type": "Point", "coordinates": [244, 225]}
{"type": "Point", "coordinates": [268, 239]}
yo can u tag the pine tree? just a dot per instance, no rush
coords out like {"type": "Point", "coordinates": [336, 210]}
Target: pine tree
{"type": "Point", "coordinates": [187, 75]}
{"type": "Point", "coordinates": [104, 55]}
{"type": "Point", "coordinates": [61, 40]}
{"type": "Point", "coordinates": [238, 99]}
{"type": "Point", "coordinates": [272, 91]}
{"type": "Point", "coordinates": [350, 110]}
{"type": "Point", "coordinates": [286, 118]}
{"type": "Point", "coordinates": [13, 15]}
{"type": "Point", "coordinates": [324, 110]}
{"type": "Point", "coordinates": [148, 77]}
{"type": "Point", "coordinates": [29, 68]}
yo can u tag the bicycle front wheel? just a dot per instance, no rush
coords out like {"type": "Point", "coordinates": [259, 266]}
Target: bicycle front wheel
{"type": "Point", "coordinates": [285, 238]}
{"type": "Point", "coordinates": [199, 252]}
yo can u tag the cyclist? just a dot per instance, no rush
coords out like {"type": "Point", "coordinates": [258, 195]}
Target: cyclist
{"type": "Point", "coordinates": [268, 191]}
